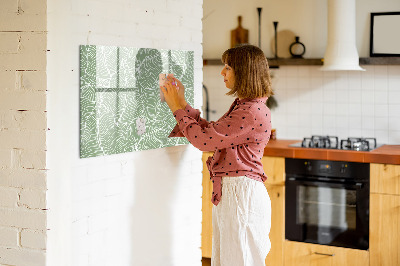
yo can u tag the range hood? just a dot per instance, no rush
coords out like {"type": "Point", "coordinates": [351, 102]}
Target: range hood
{"type": "Point", "coordinates": [341, 51]}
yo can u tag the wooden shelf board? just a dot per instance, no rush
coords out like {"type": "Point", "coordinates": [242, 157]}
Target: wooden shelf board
{"type": "Point", "coordinates": [380, 61]}
{"type": "Point", "coordinates": [276, 62]}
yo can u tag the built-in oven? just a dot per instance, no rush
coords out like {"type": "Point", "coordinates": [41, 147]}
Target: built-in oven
{"type": "Point", "coordinates": [327, 202]}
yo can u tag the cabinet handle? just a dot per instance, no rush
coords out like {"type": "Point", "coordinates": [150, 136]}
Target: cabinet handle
{"type": "Point", "coordinates": [324, 254]}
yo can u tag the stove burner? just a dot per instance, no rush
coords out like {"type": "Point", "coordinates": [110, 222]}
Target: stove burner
{"type": "Point", "coordinates": [332, 142]}
{"type": "Point", "coordinates": [328, 142]}
{"type": "Point", "coordinates": [358, 144]}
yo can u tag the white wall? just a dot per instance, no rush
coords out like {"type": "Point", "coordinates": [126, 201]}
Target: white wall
{"type": "Point", "coordinates": [312, 102]}
{"type": "Point", "coordinates": [306, 19]}
{"type": "Point", "coordinates": [139, 208]}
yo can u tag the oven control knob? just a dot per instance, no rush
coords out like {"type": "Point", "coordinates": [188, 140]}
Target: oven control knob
{"type": "Point", "coordinates": [308, 166]}
{"type": "Point", "coordinates": [343, 168]}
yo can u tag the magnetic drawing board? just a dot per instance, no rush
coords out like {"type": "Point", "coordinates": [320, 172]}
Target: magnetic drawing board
{"type": "Point", "coordinates": [120, 107]}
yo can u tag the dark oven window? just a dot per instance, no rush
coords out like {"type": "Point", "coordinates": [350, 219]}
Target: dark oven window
{"type": "Point", "coordinates": [327, 208]}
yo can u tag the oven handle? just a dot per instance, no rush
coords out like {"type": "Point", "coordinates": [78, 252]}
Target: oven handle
{"type": "Point", "coordinates": [357, 185]}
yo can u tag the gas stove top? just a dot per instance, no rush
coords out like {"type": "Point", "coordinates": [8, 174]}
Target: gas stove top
{"type": "Point", "coordinates": [332, 142]}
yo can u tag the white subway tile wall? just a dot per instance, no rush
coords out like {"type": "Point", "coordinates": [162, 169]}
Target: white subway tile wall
{"type": "Point", "coordinates": [313, 102]}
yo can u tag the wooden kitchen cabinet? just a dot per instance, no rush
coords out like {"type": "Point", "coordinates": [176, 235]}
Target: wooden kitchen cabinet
{"type": "Point", "coordinates": [385, 178]}
{"type": "Point", "coordinates": [384, 236]}
{"type": "Point", "coordinates": [274, 168]}
{"type": "Point", "coordinates": [277, 233]}
{"type": "Point", "coordinates": [305, 254]}
{"type": "Point", "coordinates": [206, 225]}
{"type": "Point", "coordinates": [385, 215]}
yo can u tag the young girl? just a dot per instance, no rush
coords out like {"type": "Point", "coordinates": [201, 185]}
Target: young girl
{"type": "Point", "coordinates": [242, 209]}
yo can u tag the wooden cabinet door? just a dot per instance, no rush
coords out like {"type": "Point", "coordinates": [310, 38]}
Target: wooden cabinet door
{"type": "Point", "coordinates": [206, 225]}
{"type": "Point", "coordinates": [304, 254]}
{"type": "Point", "coordinates": [277, 233]}
{"type": "Point", "coordinates": [384, 237]}
{"type": "Point", "coordinates": [385, 178]}
{"type": "Point", "coordinates": [274, 168]}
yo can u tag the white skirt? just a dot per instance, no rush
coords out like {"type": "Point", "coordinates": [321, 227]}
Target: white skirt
{"type": "Point", "coordinates": [241, 223]}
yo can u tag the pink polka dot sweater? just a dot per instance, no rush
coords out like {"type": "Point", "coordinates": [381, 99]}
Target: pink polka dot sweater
{"type": "Point", "coordinates": [238, 139]}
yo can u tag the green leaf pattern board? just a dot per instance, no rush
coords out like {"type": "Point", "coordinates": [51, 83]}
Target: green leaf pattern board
{"type": "Point", "coordinates": [120, 107]}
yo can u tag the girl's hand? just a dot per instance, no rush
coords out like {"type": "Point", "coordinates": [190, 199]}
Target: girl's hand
{"type": "Point", "coordinates": [181, 92]}
{"type": "Point", "coordinates": [171, 96]}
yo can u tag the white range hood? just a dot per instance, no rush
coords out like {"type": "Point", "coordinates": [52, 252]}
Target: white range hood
{"type": "Point", "coordinates": [341, 51]}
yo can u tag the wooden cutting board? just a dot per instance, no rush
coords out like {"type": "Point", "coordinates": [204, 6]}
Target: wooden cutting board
{"type": "Point", "coordinates": [239, 35]}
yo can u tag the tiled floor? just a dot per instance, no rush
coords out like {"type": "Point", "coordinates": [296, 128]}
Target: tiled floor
{"type": "Point", "coordinates": [206, 261]}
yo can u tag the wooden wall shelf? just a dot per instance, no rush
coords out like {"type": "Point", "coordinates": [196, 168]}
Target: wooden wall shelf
{"type": "Point", "coordinates": [380, 61]}
{"type": "Point", "coordinates": [274, 63]}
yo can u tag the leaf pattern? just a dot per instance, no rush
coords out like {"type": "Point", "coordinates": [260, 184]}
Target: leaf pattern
{"type": "Point", "coordinates": [120, 107]}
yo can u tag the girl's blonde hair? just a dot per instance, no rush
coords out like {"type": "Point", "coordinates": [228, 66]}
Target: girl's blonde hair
{"type": "Point", "coordinates": [250, 66]}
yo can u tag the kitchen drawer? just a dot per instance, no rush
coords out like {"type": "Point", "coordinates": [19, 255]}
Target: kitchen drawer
{"type": "Point", "coordinates": [305, 254]}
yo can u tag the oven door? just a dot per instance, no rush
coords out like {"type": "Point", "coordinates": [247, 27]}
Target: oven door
{"type": "Point", "coordinates": [327, 213]}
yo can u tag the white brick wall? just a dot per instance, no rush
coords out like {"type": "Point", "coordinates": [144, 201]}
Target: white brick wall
{"type": "Point", "coordinates": [23, 132]}
{"type": "Point", "coordinates": [139, 208]}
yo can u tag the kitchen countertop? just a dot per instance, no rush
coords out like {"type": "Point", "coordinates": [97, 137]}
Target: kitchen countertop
{"type": "Point", "coordinates": [389, 154]}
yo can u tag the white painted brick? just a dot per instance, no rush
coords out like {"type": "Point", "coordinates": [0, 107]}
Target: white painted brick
{"type": "Point", "coordinates": [9, 42]}
{"type": "Point", "coordinates": [33, 239]}
{"type": "Point", "coordinates": [33, 199]}
{"type": "Point", "coordinates": [197, 10]}
{"type": "Point", "coordinates": [20, 217]}
{"type": "Point", "coordinates": [98, 222]}
{"type": "Point", "coordinates": [15, 158]}
{"type": "Point", "coordinates": [113, 170]}
{"type": "Point", "coordinates": [17, 256]}
{"type": "Point", "coordinates": [80, 227]}
{"type": "Point", "coordinates": [23, 100]}
{"type": "Point", "coordinates": [8, 6]}
{"type": "Point", "coordinates": [81, 193]}
{"type": "Point", "coordinates": [33, 159]}
{"type": "Point", "coordinates": [8, 197]}
{"type": "Point", "coordinates": [31, 55]}
{"type": "Point", "coordinates": [114, 186]}
{"type": "Point", "coordinates": [197, 167]}
{"type": "Point", "coordinates": [5, 158]}
{"type": "Point", "coordinates": [34, 120]}
{"type": "Point", "coordinates": [7, 80]}
{"type": "Point", "coordinates": [168, 19]}
{"type": "Point", "coordinates": [176, 7]}
{"type": "Point", "coordinates": [36, 7]}
{"type": "Point", "coordinates": [34, 140]}
{"type": "Point", "coordinates": [196, 37]}
{"type": "Point", "coordinates": [8, 237]}
{"type": "Point", "coordinates": [79, 176]}
{"type": "Point", "coordinates": [128, 169]}
{"type": "Point", "coordinates": [11, 21]}
{"type": "Point", "coordinates": [96, 173]}
{"type": "Point", "coordinates": [189, 22]}
{"type": "Point", "coordinates": [23, 178]}
{"type": "Point", "coordinates": [31, 80]}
